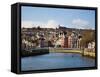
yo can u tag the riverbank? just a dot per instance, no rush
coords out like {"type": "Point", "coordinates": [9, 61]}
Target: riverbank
{"type": "Point", "coordinates": [41, 51]}
{"type": "Point", "coordinates": [64, 50]}
{"type": "Point", "coordinates": [89, 54]}
{"type": "Point", "coordinates": [67, 50]}
{"type": "Point", "coordinates": [34, 52]}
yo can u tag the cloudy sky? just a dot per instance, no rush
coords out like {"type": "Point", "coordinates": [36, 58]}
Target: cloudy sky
{"type": "Point", "coordinates": [52, 17]}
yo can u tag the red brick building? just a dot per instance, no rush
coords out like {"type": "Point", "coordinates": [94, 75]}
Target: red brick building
{"type": "Point", "coordinates": [66, 42]}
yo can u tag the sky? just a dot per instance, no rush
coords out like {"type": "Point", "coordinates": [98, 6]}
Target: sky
{"type": "Point", "coordinates": [52, 17]}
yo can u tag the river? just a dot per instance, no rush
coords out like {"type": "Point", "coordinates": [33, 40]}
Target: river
{"type": "Point", "coordinates": [55, 61]}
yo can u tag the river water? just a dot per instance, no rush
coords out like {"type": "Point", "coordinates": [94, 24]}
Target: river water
{"type": "Point", "coordinates": [55, 61]}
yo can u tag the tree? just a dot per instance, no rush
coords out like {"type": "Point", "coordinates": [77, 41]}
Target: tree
{"type": "Point", "coordinates": [39, 28]}
{"type": "Point", "coordinates": [88, 36]}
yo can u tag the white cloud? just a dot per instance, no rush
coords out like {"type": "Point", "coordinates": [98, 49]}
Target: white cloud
{"type": "Point", "coordinates": [49, 24]}
{"type": "Point", "coordinates": [76, 23]}
{"type": "Point", "coordinates": [52, 24]}
{"type": "Point", "coordinates": [27, 24]}
{"type": "Point", "coordinates": [81, 24]}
